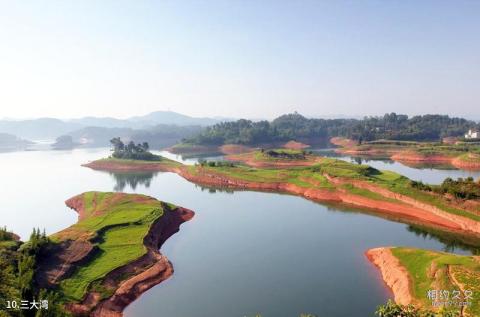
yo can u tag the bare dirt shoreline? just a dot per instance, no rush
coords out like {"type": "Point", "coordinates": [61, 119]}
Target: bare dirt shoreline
{"type": "Point", "coordinates": [393, 274]}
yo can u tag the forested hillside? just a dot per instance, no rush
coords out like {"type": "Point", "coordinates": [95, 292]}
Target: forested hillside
{"type": "Point", "coordinates": [297, 127]}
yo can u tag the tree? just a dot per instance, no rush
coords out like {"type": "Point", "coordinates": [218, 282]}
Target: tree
{"type": "Point", "coordinates": [132, 151]}
{"type": "Point", "coordinates": [8, 280]}
{"type": "Point", "coordinates": [117, 144]}
{"type": "Point", "coordinates": [55, 309]}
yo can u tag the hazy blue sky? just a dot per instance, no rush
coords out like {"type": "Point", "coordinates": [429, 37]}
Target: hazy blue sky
{"type": "Point", "coordinates": [239, 58]}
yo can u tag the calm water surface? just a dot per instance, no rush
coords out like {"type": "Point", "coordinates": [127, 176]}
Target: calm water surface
{"type": "Point", "coordinates": [243, 253]}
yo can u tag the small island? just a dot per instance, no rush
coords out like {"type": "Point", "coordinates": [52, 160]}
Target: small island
{"type": "Point", "coordinates": [132, 151]}
{"type": "Point", "coordinates": [9, 142]}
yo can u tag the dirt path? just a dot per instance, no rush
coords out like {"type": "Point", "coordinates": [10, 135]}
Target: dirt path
{"type": "Point", "coordinates": [460, 286]}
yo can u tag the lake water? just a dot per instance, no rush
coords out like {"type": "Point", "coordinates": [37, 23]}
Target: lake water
{"type": "Point", "coordinates": [243, 253]}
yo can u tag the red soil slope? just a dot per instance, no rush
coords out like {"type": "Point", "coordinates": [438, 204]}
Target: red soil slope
{"type": "Point", "coordinates": [393, 273]}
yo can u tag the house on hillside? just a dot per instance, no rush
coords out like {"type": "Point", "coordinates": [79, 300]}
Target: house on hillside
{"type": "Point", "coordinates": [472, 134]}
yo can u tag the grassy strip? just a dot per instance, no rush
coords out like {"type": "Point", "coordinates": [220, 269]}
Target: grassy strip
{"type": "Point", "coordinates": [312, 177]}
{"type": "Point", "coordinates": [367, 193]}
{"type": "Point", "coordinates": [164, 161]}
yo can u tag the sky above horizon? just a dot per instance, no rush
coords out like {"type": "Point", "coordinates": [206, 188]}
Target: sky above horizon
{"type": "Point", "coordinates": [253, 59]}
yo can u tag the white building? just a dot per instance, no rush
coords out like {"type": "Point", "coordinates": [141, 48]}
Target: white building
{"type": "Point", "coordinates": [472, 135]}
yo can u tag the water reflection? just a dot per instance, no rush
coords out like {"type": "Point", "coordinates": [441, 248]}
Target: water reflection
{"type": "Point", "coordinates": [451, 241]}
{"type": "Point", "coordinates": [214, 190]}
{"type": "Point", "coordinates": [190, 159]}
{"type": "Point", "coordinates": [132, 179]}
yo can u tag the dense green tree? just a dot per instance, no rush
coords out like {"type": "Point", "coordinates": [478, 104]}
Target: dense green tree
{"type": "Point", "coordinates": [54, 308]}
{"type": "Point", "coordinates": [132, 151]}
{"type": "Point", "coordinates": [18, 275]}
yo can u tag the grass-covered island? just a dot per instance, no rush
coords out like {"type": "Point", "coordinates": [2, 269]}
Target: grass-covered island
{"type": "Point", "coordinates": [132, 151]}
{"type": "Point", "coordinates": [448, 208]}
{"type": "Point", "coordinates": [462, 155]}
{"type": "Point", "coordinates": [99, 265]}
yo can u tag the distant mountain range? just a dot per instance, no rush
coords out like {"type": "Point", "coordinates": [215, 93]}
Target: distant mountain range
{"type": "Point", "coordinates": [51, 128]}
{"type": "Point", "coordinates": [158, 136]}
{"type": "Point", "coordinates": [36, 129]}
{"type": "Point", "coordinates": [170, 117]}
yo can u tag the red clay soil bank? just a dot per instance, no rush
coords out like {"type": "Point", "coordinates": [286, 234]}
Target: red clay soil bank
{"type": "Point", "coordinates": [411, 156]}
{"type": "Point", "coordinates": [77, 203]}
{"type": "Point", "coordinates": [343, 142]}
{"type": "Point", "coordinates": [406, 208]}
{"type": "Point", "coordinates": [294, 145]}
{"type": "Point", "coordinates": [472, 162]}
{"type": "Point", "coordinates": [393, 273]}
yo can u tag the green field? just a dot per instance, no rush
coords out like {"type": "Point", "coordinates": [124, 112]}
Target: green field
{"type": "Point", "coordinates": [117, 225]}
{"type": "Point", "coordinates": [429, 270]}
